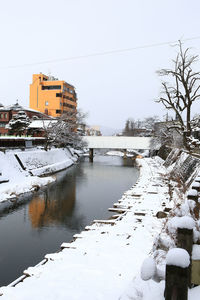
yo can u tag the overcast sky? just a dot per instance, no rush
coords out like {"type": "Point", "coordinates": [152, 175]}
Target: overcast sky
{"type": "Point", "coordinates": [112, 87]}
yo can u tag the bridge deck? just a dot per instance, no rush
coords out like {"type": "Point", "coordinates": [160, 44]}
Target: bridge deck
{"type": "Point", "coordinates": [118, 142]}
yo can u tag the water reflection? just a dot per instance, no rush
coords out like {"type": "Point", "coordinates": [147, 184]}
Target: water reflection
{"type": "Point", "coordinates": [56, 205]}
{"type": "Point", "coordinates": [52, 206]}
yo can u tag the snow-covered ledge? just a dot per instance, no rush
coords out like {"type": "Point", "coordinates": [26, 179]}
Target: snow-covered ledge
{"type": "Point", "coordinates": [19, 170]}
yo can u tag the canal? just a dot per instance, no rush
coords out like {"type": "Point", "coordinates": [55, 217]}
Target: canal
{"type": "Point", "coordinates": [40, 224]}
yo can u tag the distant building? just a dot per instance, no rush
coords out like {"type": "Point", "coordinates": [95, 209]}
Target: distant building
{"type": "Point", "coordinates": [52, 96]}
{"type": "Point", "coordinates": [7, 113]}
{"type": "Point", "coordinates": [93, 130]}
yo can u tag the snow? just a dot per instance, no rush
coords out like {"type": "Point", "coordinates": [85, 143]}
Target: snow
{"type": "Point", "coordinates": [196, 184]}
{"type": "Point", "coordinates": [148, 268]}
{"type": "Point", "coordinates": [196, 252]}
{"type": "Point", "coordinates": [180, 222]}
{"type": "Point", "coordinates": [36, 162]}
{"type": "Point", "coordinates": [106, 252]}
{"type": "Point", "coordinates": [115, 153]}
{"type": "Point", "coordinates": [192, 192]}
{"type": "Point", "coordinates": [45, 162]}
{"type": "Point", "coordinates": [26, 138]}
{"type": "Point", "coordinates": [104, 261]}
{"type": "Point", "coordinates": [41, 123]}
{"type": "Point", "coordinates": [178, 257]}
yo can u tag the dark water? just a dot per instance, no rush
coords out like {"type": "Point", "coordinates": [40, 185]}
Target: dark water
{"type": "Point", "coordinates": [41, 223]}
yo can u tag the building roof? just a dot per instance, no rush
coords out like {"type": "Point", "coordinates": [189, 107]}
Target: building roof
{"type": "Point", "coordinates": [15, 106]}
{"type": "Point", "coordinates": [18, 107]}
{"type": "Point", "coordinates": [53, 79]}
{"type": "Point", "coordinates": [42, 123]}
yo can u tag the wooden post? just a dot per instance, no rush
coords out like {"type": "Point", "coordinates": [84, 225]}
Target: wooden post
{"type": "Point", "coordinates": [91, 154]}
{"type": "Point", "coordinates": [176, 285]}
{"type": "Point", "coordinates": [185, 241]}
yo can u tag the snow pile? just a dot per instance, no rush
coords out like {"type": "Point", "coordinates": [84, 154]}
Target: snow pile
{"type": "Point", "coordinates": [195, 184]}
{"type": "Point", "coordinates": [148, 268]}
{"type": "Point", "coordinates": [197, 178]}
{"type": "Point", "coordinates": [180, 222]}
{"type": "Point", "coordinates": [196, 252]}
{"type": "Point", "coordinates": [178, 257]}
{"type": "Point", "coordinates": [115, 153]}
{"type": "Point", "coordinates": [192, 192]}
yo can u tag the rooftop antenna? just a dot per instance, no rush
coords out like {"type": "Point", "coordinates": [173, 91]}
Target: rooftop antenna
{"type": "Point", "coordinates": [49, 74]}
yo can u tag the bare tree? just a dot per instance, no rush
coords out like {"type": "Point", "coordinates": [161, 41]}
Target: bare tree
{"type": "Point", "coordinates": [144, 127]}
{"type": "Point", "coordinates": [181, 92]}
{"type": "Point", "coordinates": [65, 131]}
{"type": "Point", "coordinates": [129, 129]}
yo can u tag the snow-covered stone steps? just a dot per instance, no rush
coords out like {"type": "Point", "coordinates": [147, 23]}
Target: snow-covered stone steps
{"type": "Point", "coordinates": [119, 210]}
{"type": "Point", "coordinates": [111, 222]}
{"type": "Point", "coordinates": [67, 246]}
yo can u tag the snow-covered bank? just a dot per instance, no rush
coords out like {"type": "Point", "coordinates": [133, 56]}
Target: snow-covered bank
{"type": "Point", "coordinates": [129, 153]}
{"type": "Point", "coordinates": [183, 177]}
{"type": "Point", "coordinates": [103, 259]}
{"type": "Point", "coordinates": [17, 168]}
{"type": "Point", "coordinates": [115, 153]}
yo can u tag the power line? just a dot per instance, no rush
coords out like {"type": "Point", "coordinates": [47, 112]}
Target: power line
{"type": "Point", "coordinates": [109, 52]}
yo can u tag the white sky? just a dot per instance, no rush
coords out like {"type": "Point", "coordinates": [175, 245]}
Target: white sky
{"type": "Point", "coordinates": [113, 87]}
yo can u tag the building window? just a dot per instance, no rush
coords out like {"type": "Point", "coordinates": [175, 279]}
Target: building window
{"type": "Point", "coordinates": [46, 103]}
{"type": "Point", "coordinates": [2, 125]}
{"type": "Point", "coordinates": [58, 94]}
{"type": "Point", "coordinates": [69, 98]}
{"type": "Point", "coordinates": [58, 111]}
{"type": "Point", "coordinates": [1, 116]}
{"type": "Point", "coordinates": [51, 87]}
{"type": "Point", "coordinates": [5, 116]}
{"type": "Point", "coordinates": [69, 105]}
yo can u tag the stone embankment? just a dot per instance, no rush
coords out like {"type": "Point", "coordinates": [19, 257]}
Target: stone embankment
{"type": "Point", "coordinates": [21, 171]}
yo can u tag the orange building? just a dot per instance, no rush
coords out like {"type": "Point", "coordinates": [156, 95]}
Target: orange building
{"type": "Point", "coordinates": [52, 96]}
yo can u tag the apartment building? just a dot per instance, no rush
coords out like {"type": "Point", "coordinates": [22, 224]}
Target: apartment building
{"type": "Point", "coordinates": [52, 96]}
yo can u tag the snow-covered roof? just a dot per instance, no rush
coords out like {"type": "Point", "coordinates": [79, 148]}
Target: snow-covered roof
{"type": "Point", "coordinates": [41, 123]}
{"type": "Point", "coordinates": [17, 107]}
{"type": "Point", "coordinates": [33, 110]}
{"type": "Point", "coordinates": [24, 138]}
